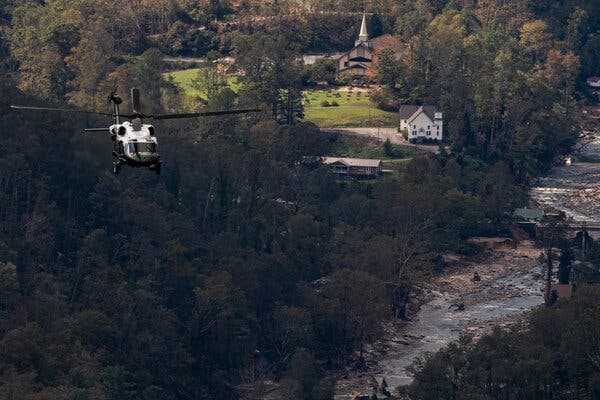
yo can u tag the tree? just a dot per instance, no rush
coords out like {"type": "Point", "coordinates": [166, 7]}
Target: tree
{"type": "Point", "coordinates": [292, 330]}
{"type": "Point", "coordinates": [591, 55]}
{"type": "Point", "coordinates": [91, 62]}
{"type": "Point", "coordinates": [355, 302]}
{"type": "Point", "coordinates": [388, 72]}
{"type": "Point", "coordinates": [272, 74]}
{"type": "Point", "coordinates": [209, 81]}
{"type": "Point", "coordinates": [40, 38]}
{"type": "Point", "coordinates": [553, 235]}
{"type": "Point", "coordinates": [564, 265]}
{"type": "Point", "coordinates": [324, 70]}
{"type": "Point", "coordinates": [303, 370]}
{"type": "Point", "coordinates": [577, 30]}
{"type": "Point", "coordinates": [535, 39]}
{"type": "Point", "coordinates": [146, 75]}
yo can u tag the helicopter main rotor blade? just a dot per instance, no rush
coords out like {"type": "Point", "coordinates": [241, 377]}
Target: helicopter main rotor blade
{"type": "Point", "coordinates": [59, 109]}
{"type": "Point", "coordinates": [202, 114]}
{"type": "Point", "coordinates": [86, 130]}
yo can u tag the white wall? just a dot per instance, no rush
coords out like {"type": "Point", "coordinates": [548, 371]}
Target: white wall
{"type": "Point", "coordinates": [423, 127]}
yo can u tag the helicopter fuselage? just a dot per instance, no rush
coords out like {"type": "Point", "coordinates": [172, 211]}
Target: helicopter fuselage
{"type": "Point", "coordinates": [135, 144]}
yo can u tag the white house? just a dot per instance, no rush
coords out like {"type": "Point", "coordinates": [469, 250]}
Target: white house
{"type": "Point", "coordinates": [423, 123]}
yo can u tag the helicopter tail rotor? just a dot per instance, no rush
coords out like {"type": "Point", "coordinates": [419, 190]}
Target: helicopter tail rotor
{"type": "Point", "coordinates": [135, 101]}
{"type": "Point", "coordinates": [113, 97]}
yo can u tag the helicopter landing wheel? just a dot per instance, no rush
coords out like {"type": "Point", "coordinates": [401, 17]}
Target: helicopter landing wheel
{"type": "Point", "coordinates": [116, 168]}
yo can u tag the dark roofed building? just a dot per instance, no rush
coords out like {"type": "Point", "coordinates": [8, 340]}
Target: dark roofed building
{"type": "Point", "coordinates": [356, 60]}
{"type": "Point", "coordinates": [353, 167]}
{"type": "Point", "coordinates": [407, 110]}
{"type": "Point", "coordinates": [364, 54]}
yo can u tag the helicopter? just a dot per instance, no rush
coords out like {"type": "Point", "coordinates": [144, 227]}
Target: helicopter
{"type": "Point", "coordinates": [134, 142]}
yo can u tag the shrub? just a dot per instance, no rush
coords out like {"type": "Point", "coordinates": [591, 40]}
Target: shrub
{"type": "Point", "coordinates": [343, 78]}
{"type": "Point", "coordinates": [334, 104]}
{"type": "Point", "coordinates": [388, 149]}
{"type": "Point", "coordinates": [325, 103]}
{"type": "Point", "coordinates": [323, 71]}
{"type": "Point", "coordinates": [384, 99]}
{"type": "Point", "coordinates": [404, 133]}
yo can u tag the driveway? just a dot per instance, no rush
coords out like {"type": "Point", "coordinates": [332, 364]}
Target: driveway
{"type": "Point", "coordinates": [382, 134]}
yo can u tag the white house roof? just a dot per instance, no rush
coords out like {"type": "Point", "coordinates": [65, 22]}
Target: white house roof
{"type": "Point", "coordinates": [410, 111]}
{"type": "Point", "coordinates": [351, 162]}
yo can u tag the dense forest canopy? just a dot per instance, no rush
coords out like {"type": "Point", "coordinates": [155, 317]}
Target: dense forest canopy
{"type": "Point", "coordinates": [239, 264]}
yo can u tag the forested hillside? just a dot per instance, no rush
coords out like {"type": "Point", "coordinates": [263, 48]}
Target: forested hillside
{"type": "Point", "coordinates": [240, 265]}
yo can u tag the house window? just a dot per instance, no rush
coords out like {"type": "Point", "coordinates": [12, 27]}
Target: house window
{"type": "Point", "coordinates": [414, 127]}
{"type": "Point", "coordinates": [428, 133]}
{"type": "Point", "coordinates": [414, 133]}
{"type": "Point", "coordinates": [428, 127]}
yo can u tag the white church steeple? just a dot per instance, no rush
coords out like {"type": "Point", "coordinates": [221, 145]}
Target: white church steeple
{"type": "Point", "coordinates": [363, 36]}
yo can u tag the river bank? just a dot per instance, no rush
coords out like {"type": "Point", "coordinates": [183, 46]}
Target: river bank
{"type": "Point", "coordinates": [574, 188]}
{"type": "Point", "coordinates": [510, 285]}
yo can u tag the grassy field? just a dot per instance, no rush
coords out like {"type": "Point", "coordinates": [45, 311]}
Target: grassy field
{"type": "Point", "coordinates": [355, 109]}
{"type": "Point", "coordinates": [183, 79]}
{"type": "Point", "coordinates": [363, 147]}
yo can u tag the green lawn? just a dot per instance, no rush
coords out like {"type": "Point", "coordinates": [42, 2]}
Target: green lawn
{"type": "Point", "coordinates": [363, 147]}
{"type": "Point", "coordinates": [183, 79]}
{"type": "Point", "coordinates": [355, 109]}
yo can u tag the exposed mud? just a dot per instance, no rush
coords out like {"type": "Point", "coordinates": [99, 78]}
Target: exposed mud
{"type": "Point", "coordinates": [510, 285]}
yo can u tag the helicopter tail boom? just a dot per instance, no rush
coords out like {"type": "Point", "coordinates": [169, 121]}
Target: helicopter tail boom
{"type": "Point", "coordinates": [89, 130]}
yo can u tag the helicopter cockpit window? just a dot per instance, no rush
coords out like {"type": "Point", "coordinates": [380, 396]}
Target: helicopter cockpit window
{"type": "Point", "coordinates": [141, 147]}
{"type": "Point", "coordinates": [146, 147]}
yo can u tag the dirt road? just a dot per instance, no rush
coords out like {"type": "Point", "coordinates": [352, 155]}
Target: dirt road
{"type": "Point", "coordinates": [510, 285]}
{"type": "Point", "coordinates": [383, 134]}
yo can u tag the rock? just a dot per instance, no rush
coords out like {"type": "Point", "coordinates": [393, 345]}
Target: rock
{"type": "Point", "coordinates": [457, 306]}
